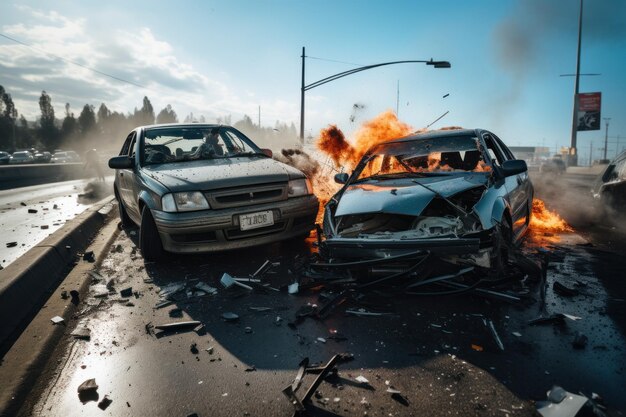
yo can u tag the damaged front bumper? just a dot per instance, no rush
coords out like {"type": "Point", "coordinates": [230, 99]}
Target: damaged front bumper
{"type": "Point", "coordinates": [475, 250]}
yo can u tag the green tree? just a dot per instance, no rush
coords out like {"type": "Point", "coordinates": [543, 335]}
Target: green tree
{"type": "Point", "coordinates": [69, 127]}
{"type": "Point", "coordinates": [8, 116]}
{"type": "Point", "coordinates": [167, 115]}
{"type": "Point", "coordinates": [87, 120]}
{"type": "Point", "coordinates": [48, 131]}
{"type": "Point", "coordinates": [145, 115]}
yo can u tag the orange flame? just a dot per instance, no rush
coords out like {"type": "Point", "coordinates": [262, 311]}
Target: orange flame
{"type": "Point", "coordinates": [546, 221]}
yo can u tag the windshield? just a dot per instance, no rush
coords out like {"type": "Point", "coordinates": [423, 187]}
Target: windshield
{"type": "Point", "coordinates": [425, 157]}
{"type": "Point", "coordinates": [177, 144]}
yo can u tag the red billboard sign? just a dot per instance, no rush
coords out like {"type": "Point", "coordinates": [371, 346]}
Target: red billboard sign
{"type": "Point", "coordinates": [589, 105]}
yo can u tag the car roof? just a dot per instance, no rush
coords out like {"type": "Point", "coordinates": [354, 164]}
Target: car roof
{"type": "Point", "coordinates": [438, 134]}
{"type": "Point", "coordinates": [179, 125]}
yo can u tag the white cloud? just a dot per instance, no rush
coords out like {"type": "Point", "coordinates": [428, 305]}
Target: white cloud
{"type": "Point", "coordinates": [137, 56]}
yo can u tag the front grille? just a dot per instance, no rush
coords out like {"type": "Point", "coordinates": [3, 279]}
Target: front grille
{"type": "Point", "coordinates": [247, 196]}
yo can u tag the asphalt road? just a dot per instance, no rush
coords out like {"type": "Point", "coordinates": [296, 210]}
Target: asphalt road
{"type": "Point", "coordinates": [30, 214]}
{"type": "Point", "coordinates": [436, 350]}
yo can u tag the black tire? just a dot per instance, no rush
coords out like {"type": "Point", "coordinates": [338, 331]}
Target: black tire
{"type": "Point", "coordinates": [125, 219]}
{"type": "Point", "coordinates": [149, 239]}
{"type": "Point", "coordinates": [502, 245]}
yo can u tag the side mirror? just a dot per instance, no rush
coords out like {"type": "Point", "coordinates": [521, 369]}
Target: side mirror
{"type": "Point", "coordinates": [121, 162]}
{"type": "Point", "coordinates": [609, 174]}
{"type": "Point", "coordinates": [341, 178]}
{"type": "Point", "coordinates": [268, 152]}
{"type": "Point", "coordinates": [513, 167]}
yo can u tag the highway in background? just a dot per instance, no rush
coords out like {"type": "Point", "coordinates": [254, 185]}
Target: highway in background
{"type": "Point", "coordinates": [30, 214]}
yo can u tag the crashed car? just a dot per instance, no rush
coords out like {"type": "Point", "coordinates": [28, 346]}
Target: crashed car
{"type": "Point", "coordinates": [207, 188]}
{"type": "Point", "coordinates": [609, 190]}
{"type": "Point", "coordinates": [459, 195]}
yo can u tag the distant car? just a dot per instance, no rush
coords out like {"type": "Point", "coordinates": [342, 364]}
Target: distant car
{"type": "Point", "coordinates": [5, 157]}
{"type": "Point", "coordinates": [22, 157]}
{"type": "Point", "coordinates": [555, 165]}
{"type": "Point", "coordinates": [458, 195]}
{"type": "Point", "coordinates": [43, 157]}
{"type": "Point", "coordinates": [609, 190]}
{"type": "Point", "coordinates": [206, 188]}
{"type": "Point", "coordinates": [64, 157]}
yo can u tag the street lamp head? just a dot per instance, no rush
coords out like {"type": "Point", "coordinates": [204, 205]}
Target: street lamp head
{"type": "Point", "coordinates": [439, 64]}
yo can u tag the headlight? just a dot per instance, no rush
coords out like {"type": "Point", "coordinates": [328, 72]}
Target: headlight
{"type": "Point", "coordinates": [187, 201]}
{"type": "Point", "coordinates": [300, 187]}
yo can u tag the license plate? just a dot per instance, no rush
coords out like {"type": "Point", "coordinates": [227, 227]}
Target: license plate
{"type": "Point", "coordinates": [256, 220]}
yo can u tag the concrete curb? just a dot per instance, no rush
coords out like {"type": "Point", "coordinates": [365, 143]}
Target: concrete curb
{"type": "Point", "coordinates": [26, 283]}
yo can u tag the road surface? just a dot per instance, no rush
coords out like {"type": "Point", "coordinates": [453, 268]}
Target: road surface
{"type": "Point", "coordinates": [437, 351]}
{"type": "Point", "coordinates": [30, 214]}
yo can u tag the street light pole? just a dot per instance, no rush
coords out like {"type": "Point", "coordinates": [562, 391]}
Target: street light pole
{"type": "Point", "coordinates": [606, 136]}
{"type": "Point", "coordinates": [573, 154]}
{"type": "Point", "coordinates": [303, 88]}
{"type": "Point", "coordinates": [302, 101]}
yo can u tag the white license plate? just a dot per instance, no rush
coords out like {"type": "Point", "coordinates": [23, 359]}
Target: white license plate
{"type": "Point", "coordinates": [256, 220]}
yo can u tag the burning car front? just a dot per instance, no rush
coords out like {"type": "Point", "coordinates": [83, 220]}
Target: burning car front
{"type": "Point", "coordinates": [459, 196]}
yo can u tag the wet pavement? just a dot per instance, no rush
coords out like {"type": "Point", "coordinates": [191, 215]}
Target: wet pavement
{"type": "Point", "coordinates": [437, 351]}
{"type": "Point", "coordinates": [30, 214]}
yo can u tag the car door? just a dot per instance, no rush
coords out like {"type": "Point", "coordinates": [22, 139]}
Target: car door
{"type": "Point", "coordinates": [122, 175]}
{"type": "Point", "coordinates": [132, 179]}
{"type": "Point", "coordinates": [523, 193]}
{"type": "Point", "coordinates": [514, 184]}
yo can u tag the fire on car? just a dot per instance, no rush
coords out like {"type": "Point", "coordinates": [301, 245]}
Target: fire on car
{"type": "Point", "coordinates": [457, 194]}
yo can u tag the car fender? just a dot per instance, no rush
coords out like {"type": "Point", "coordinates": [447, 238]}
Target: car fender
{"type": "Point", "coordinates": [150, 199]}
{"type": "Point", "coordinates": [500, 207]}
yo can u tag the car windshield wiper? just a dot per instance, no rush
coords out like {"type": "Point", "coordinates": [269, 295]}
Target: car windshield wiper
{"type": "Point", "coordinates": [251, 153]}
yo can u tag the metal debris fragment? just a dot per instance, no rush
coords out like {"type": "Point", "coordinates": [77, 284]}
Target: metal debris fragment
{"type": "Point", "coordinates": [228, 316]}
{"type": "Point", "coordinates": [494, 333]}
{"type": "Point", "coordinates": [177, 325]}
{"type": "Point", "coordinates": [227, 281]}
{"type": "Point", "coordinates": [57, 320]}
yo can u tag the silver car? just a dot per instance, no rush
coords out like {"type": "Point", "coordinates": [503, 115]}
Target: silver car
{"type": "Point", "coordinates": [459, 195]}
{"type": "Point", "coordinates": [204, 188]}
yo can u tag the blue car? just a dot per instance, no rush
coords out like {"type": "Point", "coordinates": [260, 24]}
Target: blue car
{"type": "Point", "coordinates": [459, 195]}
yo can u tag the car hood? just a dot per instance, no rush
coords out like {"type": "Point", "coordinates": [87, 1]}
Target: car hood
{"type": "Point", "coordinates": [206, 175]}
{"type": "Point", "coordinates": [403, 196]}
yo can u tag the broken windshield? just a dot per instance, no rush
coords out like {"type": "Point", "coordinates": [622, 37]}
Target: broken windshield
{"type": "Point", "coordinates": [177, 144]}
{"type": "Point", "coordinates": [435, 156]}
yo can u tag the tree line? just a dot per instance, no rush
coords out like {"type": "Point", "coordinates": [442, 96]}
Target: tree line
{"type": "Point", "coordinates": [105, 129]}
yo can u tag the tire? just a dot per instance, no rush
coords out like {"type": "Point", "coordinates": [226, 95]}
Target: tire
{"type": "Point", "coordinates": [502, 244]}
{"type": "Point", "coordinates": [149, 239]}
{"type": "Point", "coordinates": [125, 219]}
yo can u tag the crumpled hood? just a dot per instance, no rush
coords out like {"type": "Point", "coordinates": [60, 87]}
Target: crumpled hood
{"type": "Point", "coordinates": [206, 175]}
{"type": "Point", "coordinates": [403, 196]}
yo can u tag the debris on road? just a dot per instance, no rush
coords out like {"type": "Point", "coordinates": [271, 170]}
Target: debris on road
{"type": "Point", "coordinates": [88, 385]}
{"type": "Point", "coordinates": [194, 348]}
{"type": "Point", "coordinates": [561, 403]}
{"type": "Point", "coordinates": [105, 402]}
{"type": "Point", "coordinates": [179, 325]}
{"type": "Point", "coordinates": [32, 211]}
{"type": "Point", "coordinates": [11, 244]}
{"type": "Point", "coordinates": [362, 379]}
{"type": "Point", "coordinates": [494, 333]}
{"type": "Point", "coordinates": [89, 256]}
{"type": "Point", "coordinates": [126, 292]}
{"type": "Point", "coordinates": [227, 281]}
{"type": "Point", "coordinates": [57, 320]}
{"type": "Point", "coordinates": [228, 316]}
{"type": "Point", "coordinates": [293, 288]}
{"type": "Point", "coordinates": [81, 332]}
{"type": "Point", "coordinates": [206, 288]}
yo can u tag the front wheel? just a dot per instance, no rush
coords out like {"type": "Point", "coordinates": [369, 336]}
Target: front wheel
{"type": "Point", "coordinates": [149, 239]}
{"type": "Point", "coordinates": [502, 243]}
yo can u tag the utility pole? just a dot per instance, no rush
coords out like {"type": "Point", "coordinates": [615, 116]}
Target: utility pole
{"type": "Point", "coordinates": [259, 117]}
{"type": "Point", "coordinates": [573, 157]}
{"type": "Point", "coordinates": [398, 100]}
{"type": "Point", "coordinates": [606, 136]}
{"type": "Point", "coordinates": [302, 102]}
{"type": "Point", "coordinates": [590, 152]}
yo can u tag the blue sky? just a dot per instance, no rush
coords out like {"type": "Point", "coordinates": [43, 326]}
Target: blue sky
{"type": "Point", "coordinates": [219, 58]}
